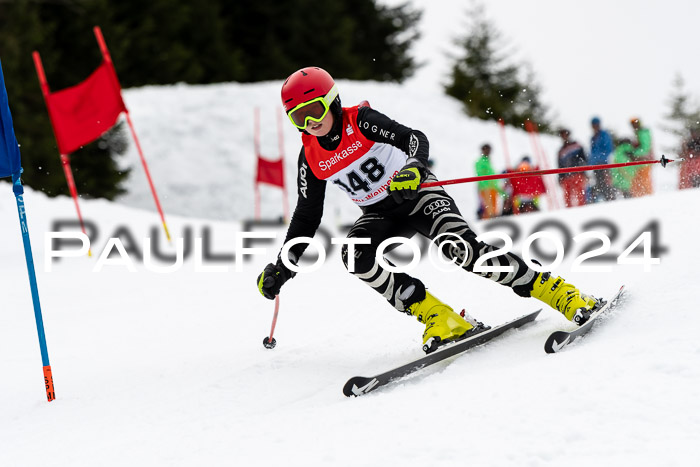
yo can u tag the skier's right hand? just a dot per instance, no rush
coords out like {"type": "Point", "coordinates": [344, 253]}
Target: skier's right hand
{"type": "Point", "coordinates": [405, 184]}
{"type": "Point", "coordinates": [273, 277]}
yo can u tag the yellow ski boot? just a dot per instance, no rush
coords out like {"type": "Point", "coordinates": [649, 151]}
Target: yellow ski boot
{"type": "Point", "coordinates": [566, 298]}
{"type": "Point", "coordinates": [442, 324]}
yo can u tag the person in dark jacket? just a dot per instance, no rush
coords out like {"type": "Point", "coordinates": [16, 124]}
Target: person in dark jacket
{"type": "Point", "coordinates": [574, 184]}
{"type": "Point", "coordinates": [690, 168]}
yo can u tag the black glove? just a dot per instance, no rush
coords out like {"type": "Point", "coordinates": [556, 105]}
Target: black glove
{"type": "Point", "coordinates": [405, 184]}
{"type": "Point", "coordinates": [273, 277]}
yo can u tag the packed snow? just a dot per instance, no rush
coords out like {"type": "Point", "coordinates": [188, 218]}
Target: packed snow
{"type": "Point", "coordinates": [165, 365]}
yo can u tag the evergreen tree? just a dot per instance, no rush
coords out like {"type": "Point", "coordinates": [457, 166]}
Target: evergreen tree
{"type": "Point", "coordinates": [489, 83]}
{"type": "Point", "coordinates": [49, 27]}
{"type": "Point", "coordinates": [170, 41]}
{"type": "Point", "coordinates": [354, 40]}
{"type": "Point", "coordinates": [381, 38]}
{"type": "Point", "coordinates": [683, 113]}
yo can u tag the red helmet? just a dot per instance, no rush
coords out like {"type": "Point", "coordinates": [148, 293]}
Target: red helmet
{"type": "Point", "coordinates": [307, 84]}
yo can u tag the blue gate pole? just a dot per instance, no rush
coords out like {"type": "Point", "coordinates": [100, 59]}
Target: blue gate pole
{"type": "Point", "coordinates": [48, 378]}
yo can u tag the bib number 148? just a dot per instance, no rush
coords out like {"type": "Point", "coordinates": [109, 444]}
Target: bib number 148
{"type": "Point", "coordinates": [370, 170]}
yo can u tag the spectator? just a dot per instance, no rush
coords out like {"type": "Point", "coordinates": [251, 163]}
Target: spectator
{"type": "Point", "coordinates": [641, 185]}
{"type": "Point", "coordinates": [601, 148]}
{"type": "Point", "coordinates": [488, 189]}
{"type": "Point", "coordinates": [527, 190]}
{"type": "Point", "coordinates": [574, 184]}
{"type": "Point", "coordinates": [622, 177]}
{"type": "Point", "coordinates": [690, 167]}
{"type": "Point", "coordinates": [507, 209]}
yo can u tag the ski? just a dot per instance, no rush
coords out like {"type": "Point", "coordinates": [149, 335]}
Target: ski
{"type": "Point", "coordinates": [360, 385]}
{"type": "Point", "coordinates": [560, 339]}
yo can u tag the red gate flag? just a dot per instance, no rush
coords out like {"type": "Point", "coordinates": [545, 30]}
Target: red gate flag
{"type": "Point", "coordinates": [82, 113]}
{"type": "Point", "coordinates": [270, 172]}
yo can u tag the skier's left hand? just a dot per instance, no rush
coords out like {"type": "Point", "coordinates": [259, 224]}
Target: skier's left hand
{"type": "Point", "coordinates": [405, 184]}
{"type": "Point", "coordinates": [273, 277]}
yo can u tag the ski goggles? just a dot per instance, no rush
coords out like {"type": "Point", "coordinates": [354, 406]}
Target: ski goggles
{"type": "Point", "coordinates": [314, 110]}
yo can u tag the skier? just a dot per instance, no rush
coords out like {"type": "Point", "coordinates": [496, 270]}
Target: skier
{"type": "Point", "coordinates": [489, 190]}
{"type": "Point", "coordinates": [380, 164]}
{"type": "Point", "coordinates": [601, 148]}
{"type": "Point", "coordinates": [690, 169]}
{"type": "Point", "coordinates": [623, 177]}
{"type": "Point", "coordinates": [642, 183]}
{"type": "Point", "coordinates": [527, 190]}
{"type": "Point", "coordinates": [574, 184]}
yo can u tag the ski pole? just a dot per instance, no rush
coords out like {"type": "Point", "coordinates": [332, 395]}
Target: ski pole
{"type": "Point", "coordinates": [663, 161]}
{"type": "Point", "coordinates": [270, 342]}
{"type": "Point", "coordinates": [11, 165]}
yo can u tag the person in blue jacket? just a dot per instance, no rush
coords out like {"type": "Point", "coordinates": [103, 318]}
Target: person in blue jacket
{"type": "Point", "coordinates": [601, 148]}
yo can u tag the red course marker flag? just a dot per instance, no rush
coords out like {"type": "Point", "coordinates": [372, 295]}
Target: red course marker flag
{"type": "Point", "coordinates": [82, 113]}
{"type": "Point", "coordinates": [270, 172]}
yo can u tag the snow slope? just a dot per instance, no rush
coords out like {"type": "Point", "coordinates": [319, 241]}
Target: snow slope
{"type": "Point", "coordinates": [168, 368]}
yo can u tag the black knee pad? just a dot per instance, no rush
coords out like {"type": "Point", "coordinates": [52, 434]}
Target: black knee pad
{"type": "Point", "coordinates": [418, 294]}
{"type": "Point", "coordinates": [364, 257]}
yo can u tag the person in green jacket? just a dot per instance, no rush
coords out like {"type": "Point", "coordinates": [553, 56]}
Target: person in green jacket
{"type": "Point", "coordinates": [641, 185]}
{"type": "Point", "coordinates": [623, 177]}
{"type": "Point", "coordinates": [488, 189]}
